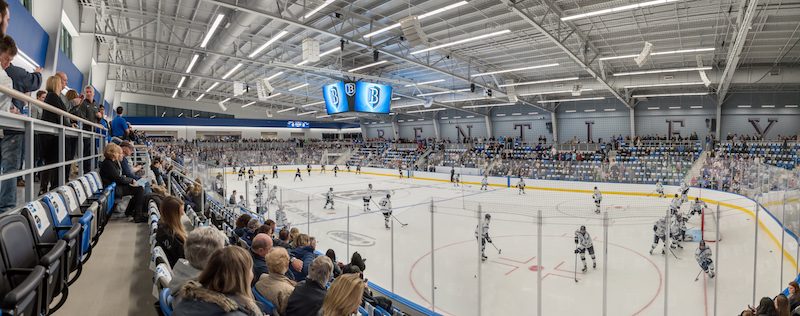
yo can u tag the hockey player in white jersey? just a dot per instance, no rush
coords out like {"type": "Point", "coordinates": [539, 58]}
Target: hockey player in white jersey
{"type": "Point", "coordinates": [675, 205]}
{"type": "Point", "coordinates": [260, 205]}
{"type": "Point", "coordinates": [485, 183]}
{"type": "Point", "coordinates": [660, 189]}
{"type": "Point", "coordinates": [583, 242]}
{"type": "Point", "coordinates": [684, 192]}
{"type": "Point", "coordinates": [703, 257]}
{"type": "Point", "coordinates": [697, 208]}
{"type": "Point", "coordinates": [386, 209]}
{"type": "Point", "coordinates": [273, 195]}
{"type": "Point", "coordinates": [329, 198]}
{"type": "Point", "coordinates": [335, 170]}
{"type": "Point", "coordinates": [368, 198]}
{"type": "Point", "coordinates": [251, 174]}
{"type": "Point", "coordinates": [281, 220]}
{"type": "Point", "coordinates": [659, 230]}
{"type": "Point", "coordinates": [677, 231]}
{"type": "Point", "coordinates": [456, 179]}
{"type": "Point", "coordinates": [482, 234]}
{"type": "Point", "coordinates": [521, 186]}
{"type": "Point", "coordinates": [598, 197]}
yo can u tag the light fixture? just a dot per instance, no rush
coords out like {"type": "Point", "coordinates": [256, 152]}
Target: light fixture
{"type": "Point", "coordinates": [323, 116]}
{"type": "Point", "coordinates": [589, 110]}
{"type": "Point", "coordinates": [230, 72]}
{"type": "Point", "coordinates": [743, 106]}
{"type": "Point", "coordinates": [179, 115]}
{"type": "Point", "coordinates": [329, 52]}
{"type": "Point", "coordinates": [395, 99]}
{"type": "Point", "coordinates": [400, 121]}
{"type": "Point", "coordinates": [456, 117]}
{"type": "Point", "coordinates": [470, 116]}
{"type": "Point", "coordinates": [285, 110]}
{"type": "Point", "coordinates": [274, 95]}
{"type": "Point", "coordinates": [664, 85]}
{"type": "Point", "coordinates": [674, 107]}
{"type": "Point", "coordinates": [500, 114]}
{"type": "Point", "coordinates": [653, 108]}
{"type": "Point", "coordinates": [516, 114]}
{"type": "Point", "coordinates": [696, 107]}
{"type": "Point", "coordinates": [226, 100]}
{"type": "Point", "coordinates": [29, 61]}
{"type": "Point", "coordinates": [515, 69]}
{"type": "Point", "coordinates": [196, 115]}
{"type": "Point", "coordinates": [571, 111]}
{"type": "Point", "coordinates": [310, 104]}
{"type": "Point", "coordinates": [367, 66]}
{"type": "Point", "coordinates": [427, 110]}
{"type": "Point", "coordinates": [269, 42]}
{"type": "Point", "coordinates": [466, 40]}
{"type": "Point", "coordinates": [444, 117]}
{"type": "Point", "coordinates": [422, 16]}
{"type": "Point", "coordinates": [200, 97]}
{"type": "Point", "coordinates": [486, 105]}
{"type": "Point", "coordinates": [658, 71]}
{"type": "Point", "coordinates": [211, 31]}
{"type": "Point", "coordinates": [609, 110]}
{"type": "Point", "coordinates": [298, 87]}
{"type": "Point", "coordinates": [320, 7]}
{"type": "Point", "coordinates": [426, 82]}
{"type": "Point", "coordinates": [682, 51]}
{"type": "Point", "coordinates": [617, 9]}
{"type": "Point", "coordinates": [180, 83]}
{"type": "Point", "coordinates": [302, 63]}
{"type": "Point", "coordinates": [191, 63]}
{"type": "Point", "coordinates": [213, 116]}
{"type": "Point", "coordinates": [345, 119]}
{"type": "Point", "coordinates": [248, 104]}
{"type": "Point", "coordinates": [175, 94]}
{"type": "Point", "coordinates": [668, 95]}
{"type": "Point", "coordinates": [767, 106]}
{"type": "Point", "coordinates": [164, 113]}
{"type": "Point", "coordinates": [407, 105]}
{"type": "Point", "coordinates": [462, 100]}
{"type": "Point", "coordinates": [442, 92]}
{"type": "Point", "coordinates": [537, 82]}
{"type": "Point", "coordinates": [533, 113]}
{"type": "Point", "coordinates": [554, 92]}
{"type": "Point", "coordinates": [275, 75]}
{"type": "Point", "coordinates": [212, 86]}
{"type": "Point", "coordinates": [570, 100]}
{"type": "Point", "coordinates": [306, 113]}
{"type": "Point", "coordinates": [791, 106]}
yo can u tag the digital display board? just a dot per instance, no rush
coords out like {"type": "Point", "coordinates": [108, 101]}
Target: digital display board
{"type": "Point", "coordinates": [335, 98]}
{"type": "Point", "coordinates": [372, 97]}
{"type": "Point", "coordinates": [297, 124]}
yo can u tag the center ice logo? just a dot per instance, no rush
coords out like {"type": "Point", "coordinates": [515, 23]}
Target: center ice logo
{"type": "Point", "coordinates": [350, 89]}
{"type": "Point", "coordinates": [335, 97]}
{"type": "Point", "coordinates": [373, 97]}
{"type": "Point", "coordinates": [355, 239]}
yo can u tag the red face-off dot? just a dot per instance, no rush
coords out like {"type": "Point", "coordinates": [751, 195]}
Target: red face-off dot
{"type": "Point", "coordinates": [535, 268]}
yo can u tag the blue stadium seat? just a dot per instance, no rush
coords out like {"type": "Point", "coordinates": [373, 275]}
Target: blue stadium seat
{"type": "Point", "coordinates": [64, 222]}
{"type": "Point", "coordinates": [165, 301]}
{"type": "Point", "coordinates": [266, 306]}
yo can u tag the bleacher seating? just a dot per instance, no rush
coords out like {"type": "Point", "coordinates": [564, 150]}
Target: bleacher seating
{"type": "Point", "coordinates": [779, 154]}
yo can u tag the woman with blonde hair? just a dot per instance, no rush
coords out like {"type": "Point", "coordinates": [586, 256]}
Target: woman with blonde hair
{"type": "Point", "coordinates": [344, 296]}
{"type": "Point", "coordinates": [111, 172]}
{"type": "Point", "coordinates": [275, 286]}
{"type": "Point", "coordinates": [47, 142]}
{"type": "Point", "coordinates": [170, 234]}
{"type": "Point", "coordinates": [223, 288]}
{"type": "Point", "coordinates": [304, 251]}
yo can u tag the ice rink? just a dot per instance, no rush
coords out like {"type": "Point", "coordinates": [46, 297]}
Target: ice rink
{"type": "Point", "coordinates": [508, 279]}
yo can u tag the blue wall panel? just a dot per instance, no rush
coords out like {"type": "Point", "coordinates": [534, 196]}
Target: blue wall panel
{"type": "Point", "coordinates": [136, 120]}
{"type": "Point", "coordinates": [30, 37]}
{"type": "Point", "coordinates": [74, 76]}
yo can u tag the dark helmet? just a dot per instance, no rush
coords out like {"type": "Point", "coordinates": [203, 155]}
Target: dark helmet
{"type": "Point", "coordinates": [702, 243]}
{"type": "Point", "coordinates": [488, 216]}
{"type": "Point", "coordinates": [583, 228]}
{"type": "Point", "coordinates": [676, 194]}
{"type": "Point", "coordinates": [388, 196]}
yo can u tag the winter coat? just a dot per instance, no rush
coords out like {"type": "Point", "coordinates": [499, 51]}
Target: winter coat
{"type": "Point", "coordinates": [306, 254]}
{"type": "Point", "coordinates": [259, 266]}
{"type": "Point", "coordinates": [198, 301]}
{"type": "Point", "coordinates": [182, 272]}
{"type": "Point", "coordinates": [170, 243]}
{"type": "Point", "coordinates": [277, 289]}
{"type": "Point", "coordinates": [306, 299]}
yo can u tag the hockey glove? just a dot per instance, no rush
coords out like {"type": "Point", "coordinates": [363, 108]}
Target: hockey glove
{"type": "Point", "coordinates": [655, 228]}
{"type": "Point", "coordinates": [488, 239]}
{"type": "Point", "coordinates": [576, 240]}
{"type": "Point", "coordinates": [577, 250]}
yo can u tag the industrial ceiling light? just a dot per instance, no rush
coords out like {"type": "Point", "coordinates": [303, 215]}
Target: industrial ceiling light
{"type": "Point", "coordinates": [466, 40]}
{"type": "Point", "coordinates": [441, 92]}
{"type": "Point", "coordinates": [175, 94]}
{"type": "Point", "coordinates": [486, 105]}
{"type": "Point", "coordinates": [422, 16]}
{"type": "Point", "coordinates": [226, 100]}
{"type": "Point", "coordinates": [274, 95]}
{"type": "Point", "coordinates": [275, 75]}
{"type": "Point", "coordinates": [367, 66]}
{"type": "Point", "coordinates": [329, 52]}
{"type": "Point", "coordinates": [515, 69]}
{"type": "Point", "coordinates": [426, 82]}
{"type": "Point", "coordinates": [285, 110]}
{"type": "Point", "coordinates": [344, 118]}
{"type": "Point", "coordinates": [462, 100]}
{"type": "Point", "coordinates": [212, 86]}
{"type": "Point", "coordinates": [311, 104]}
{"type": "Point", "coordinates": [200, 97]}
{"type": "Point", "coordinates": [571, 100]}
{"type": "Point", "coordinates": [328, 2]}
{"type": "Point", "coordinates": [191, 63]}
{"type": "Point", "coordinates": [323, 116]}
{"type": "Point", "coordinates": [269, 42]}
{"type": "Point", "coordinates": [537, 82]}
{"type": "Point", "coordinates": [180, 83]}
{"type": "Point", "coordinates": [554, 92]}
{"type": "Point", "coordinates": [664, 85]}
{"type": "Point", "coordinates": [427, 110]}
{"type": "Point", "coordinates": [306, 113]}
{"type": "Point", "coordinates": [682, 51]}
{"type": "Point", "coordinates": [407, 105]}
{"type": "Point", "coordinates": [230, 72]}
{"type": "Point", "coordinates": [668, 95]}
{"type": "Point", "coordinates": [211, 31]}
{"type": "Point", "coordinates": [658, 71]}
{"type": "Point", "coordinates": [617, 9]}
{"type": "Point", "coordinates": [298, 87]}
{"type": "Point", "coordinates": [248, 104]}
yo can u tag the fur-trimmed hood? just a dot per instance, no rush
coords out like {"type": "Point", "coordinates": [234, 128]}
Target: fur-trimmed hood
{"type": "Point", "coordinates": [198, 300]}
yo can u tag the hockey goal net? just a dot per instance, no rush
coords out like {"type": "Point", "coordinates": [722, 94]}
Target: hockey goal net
{"type": "Point", "coordinates": [708, 226]}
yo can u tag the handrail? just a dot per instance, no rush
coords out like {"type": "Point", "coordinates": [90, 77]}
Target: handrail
{"type": "Point", "coordinates": [24, 97]}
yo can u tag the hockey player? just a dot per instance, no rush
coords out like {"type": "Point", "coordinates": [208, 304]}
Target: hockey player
{"type": "Point", "coordinates": [368, 198]}
{"type": "Point", "coordinates": [482, 234]}
{"type": "Point", "coordinates": [323, 168]}
{"type": "Point", "coordinates": [677, 230]}
{"type": "Point", "coordinates": [675, 205]}
{"type": "Point", "coordinates": [684, 192]}
{"type": "Point", "coordinates": [456, 179]}
{"type": "Point", "coordinates": [251, 174]}
{"type": "Point", "coordinates": [241, 173]}
{"type": "Point", "coordinates": [659, 229]}
{"type": "Point", "coordinates": [452, 174]}
{"type": "Point", "coordinates": [358, 169]}
{"type": "Point", "coordinates": [485, 183]}
{"type": "Point", "coordinates": [598, 197]}
{"type": "Point", "coordinates": [703, 257]}
{"type": "Point", "coordinates": [336, 170]}
{"type": "Point", "coordinates": [297, 175]}
{"type": "Point", "coordinates": [386, 209]}
{"type": "Point", "coordinates": [281, 220]}
{"type": "Point", "coordinates": [273, 195]}
{"type": "Point", "coordinates": [329, 199]}
{"type": "Point", "coordinates": [697, 208]}
{"type": "Point", "coordinates": [347, 164]}
{"type": "Point", "coordinates": [521, 186]}
{"type": "Point", "coordinates": [400, 170]}
{"type": "Point", "coordinates": [660, 189]}
{"type": "Point", "coordinates": [583, 242]}
{"type": "Point", "coordinates": [308, 167]}
{"type": "Point", "coordinates": [274, 171]}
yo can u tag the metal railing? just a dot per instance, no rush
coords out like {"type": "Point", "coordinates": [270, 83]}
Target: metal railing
{"type": "Point", "coordinates": [32, 127]}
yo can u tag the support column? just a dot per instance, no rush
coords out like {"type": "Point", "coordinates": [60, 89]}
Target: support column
{"type": "Point", "coordinates": [719, 122]}
{"type": "Point", "coordinates": [363, 130]}
{"type": "Point", "coordinates": [436, 129]}
{"type": "Point", "coordinates": [396, 130]}
{"type": "Point", "coordinates": [489, 124]}
{"type": "Point", "coordinates": [48, 14]}
{"type": "Point", "coordinates": [633, 124]}
{"type": "Point", "coordinates": [553, 120]}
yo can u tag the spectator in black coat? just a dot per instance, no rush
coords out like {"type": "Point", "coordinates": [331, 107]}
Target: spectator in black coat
{"type": "Point", "coordinates": [308, 296]}
{"type": "Point", "coordinates": [111, 172]}
{"type": "Point", "coordinates": [170, 234]}
{"type": "Point", "coordinates": [50, 156]}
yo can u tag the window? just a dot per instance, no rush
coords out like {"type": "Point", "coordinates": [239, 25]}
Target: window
{"type": "Point", "coordinates": [66, 42]}
{"type": "Point", "coordinates": [27, 4]}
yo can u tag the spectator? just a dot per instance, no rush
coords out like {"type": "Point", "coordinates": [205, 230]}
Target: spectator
{"type": "Point", "coordinates": [259, 250]}
{"type": "Point", "coordinates": [337, 270]}
{"type": "Point", "coordinates": [11, 144]}
{"type": "Point", "coordinates": [47, 141]}
{"type": "Point", "coordinates": [794, 291]}
{"type": "Point", "coordinates": [241, 224]}
{"type": "Point", "coordinates": [765, 307]}
{"type": "Point", "coordinates": [157, 166]}
{"type": "Point", "coordinates": [197, 196]}
{"type": "Point", "coordinates": [111, 172]}
{"type": "Point", "coordinates": [308, 295]}
{"type": "Point", "coordinates": [304, 251]}
{"type": "Point", "coordinates": [250, 231]}
{"type": "Point", "coordinates": [170, 234]}
{"type": "Point", "coordinates": [223, 288]}
{"type": "Point", "coordinates": [199, 246]}
{"type": "Point", "coordinates": [127, 150]}
{"type": "Point", "coordinates": [232, 199]}
{"type": "Point", "coordinates": [344, 296]}
{"type": "Point", "coordinates": [283, 236]}
{"type": "Point", "coordinates": [357, 261]}
{"type": "Point", "coordinates": [25, 82]}
{"type": "Point", "coordinates": [293, 233]}
{"type": "Point", "coordinates": [119, 127]}
{"type": "Point", "coordinates": [276, 287]}
{"type": "Point", "coordinates": [90, 111]}
{"type": "Point", "coordinates": [782, 305]}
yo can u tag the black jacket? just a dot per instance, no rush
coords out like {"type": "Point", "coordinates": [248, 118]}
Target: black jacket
{"type": "Point", "coordinates": [198, 301]}
{"type": "Point", "coordinates": [111, 172]}
{"type": "Point", "coordinates": [170, 243]}
{"type": "Point", "coordinates": [306, 299]}
{"type": "Point", "coordinates": [53, 99]}
{"type": "Point", "coordinates": [87, 110]}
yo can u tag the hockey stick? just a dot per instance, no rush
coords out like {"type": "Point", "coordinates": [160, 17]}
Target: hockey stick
{"type": "Point", "coordinates": [576, 267]}
{"type": "Point", "coordinates": [673, 254]}
{"type": "Point", "coordinates": [698, 276]}
{"type": "Point", "coordinates": [401, 223]}
{"type": "Point", "coordinates": [495, 247]}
